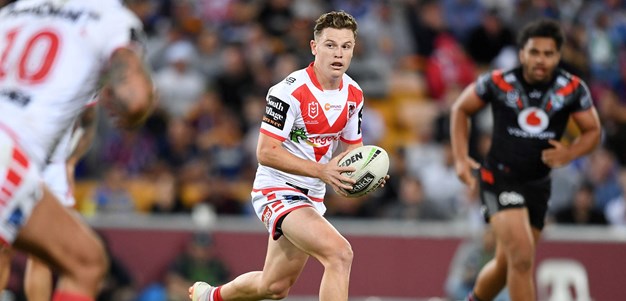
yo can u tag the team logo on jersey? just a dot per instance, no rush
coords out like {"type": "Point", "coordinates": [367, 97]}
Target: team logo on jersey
{"type": "Point", "coordinates": [297, 135]}
{"type": "Point", "coordinates": [313, 109]}
{"type": "Point", "coordinates": [276, 112]}
{"type": "Point", "coordinates": [533, 120]}
{"type": "Point", "coordinates": [512, 97]}
{"type": "Point", "coordinates": [557, 101]}
{"type": "Point", "coordinates": [351, 108]}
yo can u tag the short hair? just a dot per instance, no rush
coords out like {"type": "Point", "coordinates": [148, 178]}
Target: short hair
{"type": "Point", "coordinates": [337, 20]}
{"type": "Point", "coordinates": [544, 28]}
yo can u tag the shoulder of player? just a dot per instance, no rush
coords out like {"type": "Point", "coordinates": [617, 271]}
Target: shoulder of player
{"type": "Point", "coordinates": [499, 79]}
{"type": "Point", "coordinates": [292, 82]}
{"type": "Point", "coordinates": [568, 83]}
{"type": "Point", "coordinates": [349, 81]}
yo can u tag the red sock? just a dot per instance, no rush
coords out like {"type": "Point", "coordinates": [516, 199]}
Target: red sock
{"type": "Point", "coordinates": [65, 296]}
{"type": "Point", "coordinates": [216, 294]}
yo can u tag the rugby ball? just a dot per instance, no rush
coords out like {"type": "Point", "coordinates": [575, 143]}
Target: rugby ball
{"type": "Point", "coordinates": [371, 163]}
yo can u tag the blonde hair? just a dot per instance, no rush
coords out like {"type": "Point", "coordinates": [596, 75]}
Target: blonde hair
{"type": "Point", "coordinates": [337, 20]}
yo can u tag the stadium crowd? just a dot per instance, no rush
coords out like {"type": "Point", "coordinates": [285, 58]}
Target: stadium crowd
{"type": "Point", "coordinates": [214, 61]}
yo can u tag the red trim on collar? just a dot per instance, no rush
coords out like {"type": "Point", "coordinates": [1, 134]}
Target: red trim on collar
{"type": "Point", "coordinates": [311, 72]}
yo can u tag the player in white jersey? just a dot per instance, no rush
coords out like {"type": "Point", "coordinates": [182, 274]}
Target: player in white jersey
{"type": "Point", "coordinates": [54, 54]}
{"type": "Point", "coordinates": [306, 117]}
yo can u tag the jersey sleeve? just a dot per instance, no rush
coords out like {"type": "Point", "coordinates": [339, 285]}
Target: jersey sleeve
{"type": "Point", "coordinates": [281, 111]}
{"type": "Point", "coordinates": [122, 29]}
{"type": "Point", "coordinates": [352, 133]}
{"type": "Point", "coordinates": [584, 98]}
{"type": "Point", "coordinates": [483, 87]}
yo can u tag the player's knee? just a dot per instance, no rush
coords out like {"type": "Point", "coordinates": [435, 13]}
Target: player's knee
{"type": "Point", "coordinates": [522, 261]}
{"type": "Point", "coordinates": [93, 263]}
{"type": "Point", "coordinates": [279, 289]}
{"type": "Point", "coordinates": [341, 256]}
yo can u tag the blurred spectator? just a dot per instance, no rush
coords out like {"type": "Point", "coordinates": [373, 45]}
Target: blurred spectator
{"type": "Point", "coordinates": [440, 183]}
{"type": "Point", "coordinates": [179, 83]}
{"type": "Point", "coordinates": [134, 150]}
{"type": "Point", "coordinates": [426, 23]}
{"type": "Point", "coordinates": [612, 110]}
{"type": "Point", "coordinates": [461, 16]}
{"type": "Point", "coordinates": [448, 68]}
{"type": "Point", "coordinates": [208, 58]}
{"type": "Point", "coordinates": [167, 195]}
{"type": "Point", "coordinates": [235, 81]}
{"type": "Point", "coordinates": [600, 170]}
{"type": "Point", "coordinates": [412, 204]}
{"type": "Point", "coordinates": [488, 38]}
{"type": "Point", "coordinates": [198, 262]}
{"type": "Point", "coordinates": [112, 195]}
{"type": "Point", "coordinates": [179, 146]}
{"type": "Point", "coordinates": [276, 17]}
{"type": "Point", "coordinates": [582, 211]}
{"type": "Point", "coordinates": [469, 258]}
{"type": "Point", "coordinates": [616, 208]}
{"type": "Point", "coordinates": [603, 50]}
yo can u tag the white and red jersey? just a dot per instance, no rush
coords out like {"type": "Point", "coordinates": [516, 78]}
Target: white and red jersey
{"type": "Point", "coordinates": [52, 54]}
{"type": "Point", "coordinates": [310, 122]}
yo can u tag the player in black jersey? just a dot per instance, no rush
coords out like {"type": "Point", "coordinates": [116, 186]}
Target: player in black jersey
{"type": "Point", "coordinates": [531, 105]}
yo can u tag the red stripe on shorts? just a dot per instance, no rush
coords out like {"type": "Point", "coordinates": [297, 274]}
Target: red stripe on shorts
{"type": "Point", "coordinates": [14, 177]}
{"type": "Point", "coordinates": [19, 156]}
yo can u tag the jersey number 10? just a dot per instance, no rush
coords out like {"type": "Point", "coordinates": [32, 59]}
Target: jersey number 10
{"type": "Point", "coordinates": [36, 55]}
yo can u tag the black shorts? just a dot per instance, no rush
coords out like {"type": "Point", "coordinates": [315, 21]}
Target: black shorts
{"type": "Point", "coordinates": [499, 192]}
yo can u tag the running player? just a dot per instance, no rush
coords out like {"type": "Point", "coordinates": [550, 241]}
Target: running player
{"type": "Point", "coordinates": [531, 106]}
{"type": "Point", "coordinates": [306, 116]}
{"type": "Point", "coordinates": [52, 57]}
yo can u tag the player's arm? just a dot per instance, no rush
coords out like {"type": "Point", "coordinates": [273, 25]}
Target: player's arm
{"type": "Point", "coordinates": [589, 125]}
{"type": "Point", "coordinates": [271, 153]}
{"type": "Point", "coordinates": [83, 135]}
{"type": "Point", "coordinates": [466, 105]}
{"type": "Point", "coordinates": [128, 91]}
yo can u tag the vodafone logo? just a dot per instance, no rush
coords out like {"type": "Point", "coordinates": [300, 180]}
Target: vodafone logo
{"type": "Point", "coordinates": [533, 120]}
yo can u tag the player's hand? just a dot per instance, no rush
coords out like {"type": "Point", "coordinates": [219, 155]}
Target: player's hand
{"type": "Point", "coordinates": [556, 156]}
{"type": "Point", "coordinates": [464, 168]}
{"type": "Point", "coordinates": [331, 174]}
{"type": "Point", "coordinates": [383, 181]}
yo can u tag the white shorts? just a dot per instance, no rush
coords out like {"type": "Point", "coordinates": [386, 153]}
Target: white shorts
{"type": "Point", "coordinates": [271, 204]}
{"type": "Point", "coordinates": [20, 187]}
{"type": "Point", "coordinates": [55, 176]}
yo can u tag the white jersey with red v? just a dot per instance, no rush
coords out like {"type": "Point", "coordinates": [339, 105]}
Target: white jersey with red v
{"type": "Point", "coordinates": [310, 122]}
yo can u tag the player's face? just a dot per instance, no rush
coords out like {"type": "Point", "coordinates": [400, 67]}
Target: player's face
{"type": "Point", "coordinates": [333, 50]}
{"type": "Point", "coordinates": [539, 58]}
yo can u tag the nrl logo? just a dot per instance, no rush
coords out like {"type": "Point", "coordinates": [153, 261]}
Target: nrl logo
{"type": "Point", "coordinates": [313, 109]}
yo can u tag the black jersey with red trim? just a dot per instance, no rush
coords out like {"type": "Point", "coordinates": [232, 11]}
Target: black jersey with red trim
{"type": "Point", "coordinates": [526, 116]}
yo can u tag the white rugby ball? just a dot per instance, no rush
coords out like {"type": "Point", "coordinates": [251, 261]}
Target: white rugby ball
{"type": "Point", "coordinates": [371, 163]}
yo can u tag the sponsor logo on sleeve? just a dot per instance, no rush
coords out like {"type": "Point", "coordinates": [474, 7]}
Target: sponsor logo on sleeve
{"type": "Point", "coordinates": [276, 112]}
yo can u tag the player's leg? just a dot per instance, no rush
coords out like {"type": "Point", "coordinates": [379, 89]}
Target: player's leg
{"type": "Point", "coordinates": [515, 237]}
{"type": "Point", "coordinates": [6, 255]}
{"type": "Point", "coordinates": [492, 277]}
{"type": "Point", "coordinates": [79, 257]}
{"type": "Point", "coordinates": [283, 264]}
{"type": "Point", "coordinates": [312, 233]}
{"type": "Point", "coordinates": [37, 280]}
